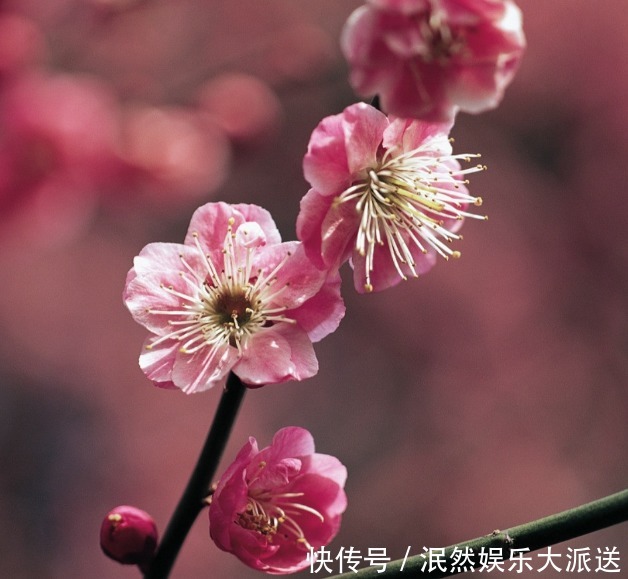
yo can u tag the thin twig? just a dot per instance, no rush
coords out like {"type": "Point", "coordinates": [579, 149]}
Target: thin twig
{"type": "Point", "coordinates": [531, 536]}
{"type": "Point", "coordinates": [192, 500]}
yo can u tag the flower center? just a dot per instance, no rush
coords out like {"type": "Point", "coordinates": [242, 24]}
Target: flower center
{"type": "Point", "coordinates": [233, 308]}
{"type": "Point", "coordinates": [409, 202]}
{"type": "Point", "coordinates": [231, 311]}
{"type": "Point", "coordinates": [271, 513]}
{"type": "Point", "coordinates": [255, 518]}
{"type": "Point", "coordinates": [441, 42]}
{"type": "Point", "coordinates": [223, 304]}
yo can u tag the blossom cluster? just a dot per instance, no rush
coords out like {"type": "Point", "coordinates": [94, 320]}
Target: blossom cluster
{"type": "Point", "coordinates": [387, 195]}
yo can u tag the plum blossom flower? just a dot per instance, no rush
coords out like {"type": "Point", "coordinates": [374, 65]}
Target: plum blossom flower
{"type": "Point", "coordinates": [231, 297]}
{"type": "Point", "coordinates": [388, 194]}
{"type": "Point", "coordinates": [273, 506]}
{"type": "Point", "coordinates": [428, 59]}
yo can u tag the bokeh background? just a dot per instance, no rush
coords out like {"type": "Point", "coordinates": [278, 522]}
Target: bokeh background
{"type": "Point", "coordinates": [490, 392]}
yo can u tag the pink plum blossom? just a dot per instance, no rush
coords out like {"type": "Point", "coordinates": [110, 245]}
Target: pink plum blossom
{"type": "Point", "coordinates": [231, 297]}
{"type": "Point", "coordinates": [428, 59]}
{"type": "Point", "coordinates": [388, 194]}
{"type": "Point", "coordinates": [272, 507]}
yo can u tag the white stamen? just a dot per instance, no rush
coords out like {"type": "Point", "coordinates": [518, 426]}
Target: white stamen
{"type": "Point", "coordinates": [405, 204]}
{"type": "Point", "coordinates": [225, 304]}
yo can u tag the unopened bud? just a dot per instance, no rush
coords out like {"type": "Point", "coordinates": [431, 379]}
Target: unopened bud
{"type": "Point", "coordinates": [129, 535]}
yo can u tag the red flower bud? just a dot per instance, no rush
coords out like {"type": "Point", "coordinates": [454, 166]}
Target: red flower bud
{"type": "Point", "coordinates": [129, 535]}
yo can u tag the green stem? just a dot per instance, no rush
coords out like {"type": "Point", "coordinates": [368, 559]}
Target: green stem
{"type": "Point", "coordinates": [535, 535]}
{"type": "Point", "coordinates": [192, 501]}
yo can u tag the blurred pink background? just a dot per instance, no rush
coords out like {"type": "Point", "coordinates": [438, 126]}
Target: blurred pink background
{"type": "Point", "coordinates": [488, 393]}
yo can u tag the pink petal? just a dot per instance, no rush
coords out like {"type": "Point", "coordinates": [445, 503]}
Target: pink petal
{"type": "Point", "coordinates": [280, 353]}
{"type": "Point", "coordinates": [230, 497]}
{"type": "Point", "coordinates": [242, 460]}
{"type": "Point", "coordinates": [407, 135]}
{"type": "Point", "coordinates": [325, 164]}
{"type": "Point", "coordinates": [384, 274]}
{"type": "Point", "coordinates": [158, 267]}
{"type": "Point", "coordinates": [329, 499]}
{"type": "Point", "coordinates": [157, 362]}
{"type": "Point", "coordinates": [250, 235]}
{"type": "Point", "coordinates": [298, 278]}
{"type": "Point", "coordinates": [339, 232]}
{"type": "Point", "coordinates": [162, 257]}
{"type": "Point", "coordinates": [292, 441]}
{"type": "Point", "coordinates": [204, 369]}
{"type": "Point", "coordinates": [314, 208]}
{"type": "Point", "coordinates": [211, 221]}
{"type": "Point", "coordinates": [420, 91]}
{"type": "Point", "coordinates": [277, 473]}
{"type": "Point", "coordinates": [327, 466]}
{"type": "Point", "coordinates": [253, 548]}
{"type": "Point", "coordinates": [363, 127]}
{"type": "Point", "coordinates": [321, 315]}
{"type": "Point", "coordinates": [373, 65]}
{"type": "Point", "coordinates": [343, 147]}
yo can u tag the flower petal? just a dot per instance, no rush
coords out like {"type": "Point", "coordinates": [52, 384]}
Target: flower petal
{"type": "Point", "coordinates": [158, 273]}
{"type": "Point", "coordinates": [157, 362]}
{"type": "Point", "coordinates": [210, 223]}
{"type": "Point", "coordinates": [321, 315]}
{"type": "Point", "coordinates": [278, 354]}
{"type": "Point", "coordinates": [204, 369]}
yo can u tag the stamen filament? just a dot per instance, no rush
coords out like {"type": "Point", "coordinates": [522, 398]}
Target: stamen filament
{"type": "Point", "coordinates": [221, 308]}
{"type": "Point", "coordinates": [407, 202]}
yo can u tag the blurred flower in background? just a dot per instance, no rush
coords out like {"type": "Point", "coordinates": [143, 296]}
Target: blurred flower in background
{"type": "Point", "coordinates": [428, 59]}
{"type": "Point", "coordinates": [99, 108]}
{"type": "Point", "coordinates": [169, 158]}
{"type": "Point", "coordinates": [22, 45]}
{"type": "Point", "coordinates": [494, 391]}
{"type": "Point", "coordinates": [246, 109]}
{"type": "Point", "coordinates": [56, 150]}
